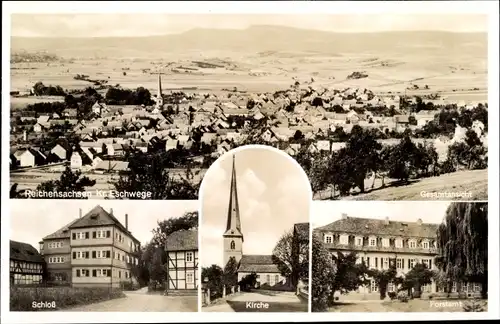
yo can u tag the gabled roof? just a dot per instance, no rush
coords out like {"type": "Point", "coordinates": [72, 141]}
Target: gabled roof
{"type": "Point", "coordinates": [24, 252]}
{"type": "Point", "coordinates": [258, 264]}
{"type": "Point", "coordinates": [369, 226]}
{"type": "Point", "coordinates": [184, 240]}
{"type": "Point", "coordinates": [97, 216]}
{"type": "Point", "coordinates": [61, 233]}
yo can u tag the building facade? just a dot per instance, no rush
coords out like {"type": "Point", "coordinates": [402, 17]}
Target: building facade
{"type": "Point", "coordinates": [262, 265]}
{"type": "Point", "coordinates": [92, 250]}
{"type": "Point", "coordinates": [182, 261]}
{"type": "Point", "coordinates": [27, 266]}
{"type": "Point", "coordinates": [378, 243]}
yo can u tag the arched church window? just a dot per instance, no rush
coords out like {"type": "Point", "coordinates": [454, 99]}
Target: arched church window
{"type": "Point", "coordinates": [233, 245]}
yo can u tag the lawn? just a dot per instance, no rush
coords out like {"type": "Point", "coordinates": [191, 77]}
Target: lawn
{"type": "Point", "coordinates": [414, 305]}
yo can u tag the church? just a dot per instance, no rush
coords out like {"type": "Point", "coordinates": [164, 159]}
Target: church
{"type": "Point", "coordinates": [267, 272]}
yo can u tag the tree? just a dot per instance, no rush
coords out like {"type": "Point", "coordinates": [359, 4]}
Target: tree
{"type": "Point", "coordinates": [462, 241]}
{"type": "Point", "coordinates": [401, 159]}
{"type": "Point", "coordinates": [230, 274]}
{"type": "Point", "coordinates": [248, 282]}
{"type": "Point", "coordinates": [140, 271]}
{"type": "Point", "coordinates": [212, 278]}
{"type": "Point", "coordinates": [168, 226]}
{"type": "Point", "coordinates": [384, 277]}
{"type": "Point", "coordinates": [14, 193]}
{"type": "Point", "coordinates": [284, 257]}
{"type": "Point", "coordinates": [157, 271]}
{"type": "Point", "coordinates": [470, 154]}
{"type": "Point", "coordinates": [68, 182]}
{"type": "Point", "coordinates": [416, 278]}
{"type": "Point", "coordinates": [349, 275]}
{"type": "Point", "coordinates": [323, 274]}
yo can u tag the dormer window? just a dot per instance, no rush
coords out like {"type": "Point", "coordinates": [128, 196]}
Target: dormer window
{"type": "Point", "coordinates": [398, 243]}
{"type": "Point", "coordinates": [372, 241]}
{"type": "Point", "coordinates": [412, 244]}
{"type": "Point", "coordinates": [344, 239]}
{"type": "Point", "coordinates": [329, 239]}
{"type": "Point", "coordinates": [425, 244]}
{"type": "Point", "coordinates": [385, 242]}
{"type": "Point", "coordinates": [359, 241]}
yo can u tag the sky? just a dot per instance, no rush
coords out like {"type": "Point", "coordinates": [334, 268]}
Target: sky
{"type": "Point", "coordinates": [273, 195]}
{"type": "Point", "coordinates": [326, 212]}
{"type": "Point", "coordinates": [99, 25]}
{"type": "Point", "coordinates": [31, 220]}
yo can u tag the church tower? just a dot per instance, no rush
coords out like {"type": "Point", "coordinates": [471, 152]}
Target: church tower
{"type": "Point", "coordinates": [233, 237]}
{"type": "Point", "coordinates": [159, 95]}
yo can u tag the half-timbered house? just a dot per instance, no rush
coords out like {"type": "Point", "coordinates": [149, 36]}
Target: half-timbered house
{"type": "Point", "coordinates": [26, 264]}
{"type": "Point", "coordinates": [182, 266]}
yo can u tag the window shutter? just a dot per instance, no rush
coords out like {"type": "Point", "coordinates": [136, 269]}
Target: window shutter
{"type": "Point", "coordinates": [108, 254]}
{"type": "Point", "coordinates": [376, 262]}
{"type": "Point", "coordinates": [430, 263]}
{"type": "Point", "coordinates": [77, 272]}
{"type": "Point", "coordinates": [108, 233]}
{"type": "Point", "coordinates": [368, 261]}
{"type": "Point", "coordinates": [93, 254]}
{"type": "Point", "coordinates": [94, 272]}
{"type": "Point", "coordinates": [87, 254]}
{"type": "Point", "coordinates": [409, 266]}
{"type": "Point", "coordinates": [109, 273]}
{"type": "Point", "coordinates": [74, 255]}
{"type": "Point", "coordinates": [74, 236]}
{"type": "Point", "coordinates": [94, 234]}
{"type": "Point", "coordinates": [87, 235]}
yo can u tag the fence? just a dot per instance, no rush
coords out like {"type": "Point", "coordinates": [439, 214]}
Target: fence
{"type": "Point", "coordinates": [207, 294]}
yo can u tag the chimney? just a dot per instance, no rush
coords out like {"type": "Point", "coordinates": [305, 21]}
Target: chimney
{"type": "Point", "coordinates": [80, 213]}
{"type": "Point", "coordinates": [419, 221]}
{"type": "Point", "coordinates": [344, 216]}
{"type": "Point", "coordinates": [111, 211]}
{"type": "Point", "coordinates": [386, 221]}
{"type": "Point", "coordinates": [24, 136]}
{"type": "Point", "coordinates": [126, 222]}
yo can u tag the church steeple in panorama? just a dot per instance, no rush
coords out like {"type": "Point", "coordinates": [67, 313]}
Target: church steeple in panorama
{"type": "Point", "coordinates": [159, 95]}
{"type": "Point", "coordinates": [233, 237]}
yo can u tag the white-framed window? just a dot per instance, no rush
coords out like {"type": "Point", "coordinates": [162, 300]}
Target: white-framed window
{"type": "Point", "coordinates": [412, 263]}
{"type": "Point", "coordinates": [385, 242]}
{"type": "Point", "coordinates": [55, 245]}
{"type": "Point", "coordinates": [399, 263]}
{"type": "Point", "coordinates": [189, 257]}
{"type": "Point", "coordinates": [477, 287]}
{"type": "Point", "coordinates": [373, 241]}
{"type": "Point", "coordinates": [101, 234]}
{"type": "Point", "coordinates": [390, 287]}
{"type": "Point", "coordinates": [276, 279]}
{"type": "Point", "coordinates": [56, 259]}
{"type": "Point", "coordinates": [412, 244]}
{"type": "Point", "coordinates": [373, 286]}
{"type": "Point", "coordinates": [425, 244]}
{"type": "Point", "coordinates": [328, 239]}
{"type": "Point", "coordinates": [359, 241]}
{"type": "Point", "coordinates": [454, 287]}
{"type": "Point", "coordinates": [398, 243]}
{"type": "Point", "coordinates": [385, 264]}
{"type": "Point", "coordinates": [344, 239]}
{"type": "Point", "coordinates": [189, 278]}
{"type": "Point", "coordinates": [426, 263]}
{"type": "Point", "coordinates": [268, 278]}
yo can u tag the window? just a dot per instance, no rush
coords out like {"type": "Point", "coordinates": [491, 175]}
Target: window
{"type": "Point", "coordinates": [359, 241]}
{"type": "Point", "coordinates": [276, 279]}
{"type": "Point", "coordinates": [412, 244]}
{"type": "Point", "coordinates": [189, 278]}
{"type": "Point", "coordinates": [398, 243]}
{"type": "Point", "coordinates": [426, 263]}
{"type": "Point", "coordinates": [373, 286]}
{"type": "Point", "coordinates": [477, 287]}
{"type": "Point", "coordinates": [425, 245]}
{"type": "Point", "coordinates": [411, 263]}
{"type": "Point", "coordinates": [344, 239]}
{"type": "Point", "coordinates": [386, 263]}
{"type": "Point", "coordinates": [328, 239]}
{"type": "Point", "coordinates": [373, 241]}
{"type": "Point", "coordinates": [189, 256]}
{"type": "Point", "coordinates": [454, 287]}
{"type": "Point", "coordinates": [233, 245]}
{"type": "Point", "coordinates": [399, 263]}
{"type": "Point", "coordinates": [385, 242]}
{"type": "Point", "coordinates": [268, 278]}
{"type": "Point", "coordinates": [390, 287]}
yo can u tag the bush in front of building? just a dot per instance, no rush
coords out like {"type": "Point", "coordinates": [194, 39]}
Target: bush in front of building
{"type": "Point", "coordinates": [392, 295]}
{"type": "Point", "coordinates": [128, 285]}
{"type": "Point", "coordinates": [403, 296]}
{"type": "Point", "coordinates": [23, 299]}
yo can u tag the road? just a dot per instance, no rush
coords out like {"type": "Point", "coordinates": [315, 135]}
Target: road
{"type": "Point", "coordinates": [142, 302]}
{"type": "Point", "coordinates": [278, 302]}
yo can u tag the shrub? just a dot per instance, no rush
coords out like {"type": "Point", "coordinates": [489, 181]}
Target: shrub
{"type": "Point", "coordinates": [21, 298]}
{"type": "Point", "coordinates": [403, 297]}
{"type": "Point", "coordinates": [474, 306]}
{"type": "Point", "coordinates": [392, 295]}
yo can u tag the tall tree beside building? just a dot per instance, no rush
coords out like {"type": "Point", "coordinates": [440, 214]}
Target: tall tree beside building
{"type": "Point", "coordinates": [230, 275]}
{"type": "Point", "coordinates": [323, 270]}
{"type": "Point", "coordinates": [463, 243]}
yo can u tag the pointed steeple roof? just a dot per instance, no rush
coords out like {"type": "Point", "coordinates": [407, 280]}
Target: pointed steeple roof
{"type": "Point", "coordinates": [233, 227]}
{"type": "Point", "coordinates": [159, 85]}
